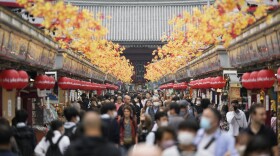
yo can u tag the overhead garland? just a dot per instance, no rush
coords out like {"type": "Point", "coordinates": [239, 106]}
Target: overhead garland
{"type": "Point", "coordinates": [83, 32]}
{"type": "Point", "coordinates": [214, 24]}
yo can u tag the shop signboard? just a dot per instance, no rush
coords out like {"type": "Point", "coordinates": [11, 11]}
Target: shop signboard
{"type": "Point", "coordinates": [34, 53]}
{"type": "Point", "coordinates": [52, 55]}
{"type": "Point", "coordinates": [17, 47]}
{"type": "Point", "coordinates": [262, 49]}
{"type": "Point", "coordinates": [5, 43]}
{"type": "Point", "coordinates": [45, 57]}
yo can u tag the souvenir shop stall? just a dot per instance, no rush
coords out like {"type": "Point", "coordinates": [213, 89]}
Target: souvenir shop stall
{"type": "Point", "coordinates": [255, 54]}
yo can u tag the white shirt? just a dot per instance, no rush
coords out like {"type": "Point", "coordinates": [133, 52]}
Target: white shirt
{"type": "Point", "coordinates": [150, 138]}
{"type": "Point", "coordinates": [210, 151]}
{"type": "Point", "coordinates": [171, 151]}
{"type": "Point", "coordinates": [43, 145]}
{"type": "Point", "coordinates": [235, 121]}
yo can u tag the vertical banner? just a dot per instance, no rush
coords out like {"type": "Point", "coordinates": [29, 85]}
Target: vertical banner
{"type": "Point", "coordinates": [267, 103]}
{"type": "Point", "coordinates": [249, 102]}
{"type": "Point", "coordinates": [66, 96]}
{"type": "Point", "coordinates": [258, 98]}
{"type": "Point", "coordinates": [10, 108]}
{"type": "Point", "coordinates": [18, 103]}
{"type": "Point", "coordinates": [216, 99]}
{"type": "Point", "coordinates": [48, 102]}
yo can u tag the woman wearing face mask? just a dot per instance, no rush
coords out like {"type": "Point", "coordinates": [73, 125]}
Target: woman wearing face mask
{"type": "Point", "coordinates": [153, 109]}
{"type": "Point", "coordinates": [186, 135]}
{"type": "Point", "coordinates": [54, 136]}
{"type": "Point", "coordinates": [144, 128]}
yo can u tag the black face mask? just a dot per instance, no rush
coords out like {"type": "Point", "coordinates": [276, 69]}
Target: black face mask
{"type": "Point", "coordinates": [235, 108]}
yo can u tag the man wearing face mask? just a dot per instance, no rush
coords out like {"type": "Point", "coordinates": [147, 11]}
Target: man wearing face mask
{"type": "Point", "coordinates": [236, 119]}
{"type": "Point", "coordinates": [110, 125]}
{"type": "Point", "coordinates": [72, 117]}
{"type": "Point", "coordinates": [161, 120]}
{"type": "Point", "coordinates": [152, 110]}
{"type": "Point", "coordinates": [186, 134]}
{"type": "Point", "coordinates": [210, 140]}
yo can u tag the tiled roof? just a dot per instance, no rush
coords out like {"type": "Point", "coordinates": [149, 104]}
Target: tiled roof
{"type": "Point", "coordinates": [136, 22]}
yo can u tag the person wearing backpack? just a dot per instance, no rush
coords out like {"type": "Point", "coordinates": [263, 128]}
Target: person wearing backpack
{"type": "Point", "coordinates": [24, 135]}
{"type": "Point", "coordinates": [54, 143]}
{"type": "Point", "coordinates": [72, 116]}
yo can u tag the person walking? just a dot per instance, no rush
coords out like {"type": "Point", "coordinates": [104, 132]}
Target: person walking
{"type": "Point", "coordinates": [24, 135]}
{"type": "Point", "coordinates": [111, 127]}
{"type": "Point", "coordinates": [92, 143]}
{"type": "Point", "coordinates": [154, 108]}
{"type": "Point", "coordinates": [174, 118]}
{"type": "Point", "coordinates": [236, 119]}
{"type": "Point", "coordinates": [6, 134]}
{"type": "Point", "coordinates": [54, 143]}
{"type": "Point", "coordinates": [257, 127]}
{"type": "Point", "coordinates": [144, 128]}
{"type": "Point", "coordinates": [128, 129]}
{"type": "Point", "coordinates": [119, 102]}
{"type": "Point", "coordinates": [73, 118]}
{"type": "Point", "coordinates": [210, 140]}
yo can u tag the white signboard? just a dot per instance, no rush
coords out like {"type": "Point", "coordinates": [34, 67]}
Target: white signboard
{"type": "Point", "coordinates": [9, 108]}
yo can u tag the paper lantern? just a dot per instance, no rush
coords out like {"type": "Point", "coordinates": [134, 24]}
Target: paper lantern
{"type": "Point", "coordinates": [207, 83]}
{"type": "Point", "coordinates": [245, 80]}
{"type": "Point", "coordinates": [51, 82]}
{"type": "Point", "coordinates": [212, 82]}
{"type": "Point", "coordinates": [22, 80]}
{"type": "Point", "coordinates": [9, 79]}
{"type": "Point", "coordinates": [65, 83]}
{"type": "Point", "coordinates": [266, 78]}
{"type": "Point", "coordinates": [220, 82]}
{"type": "Point", "coordinates": [252, 82]}
{"type": "Point", "coordinates": [42, 82]}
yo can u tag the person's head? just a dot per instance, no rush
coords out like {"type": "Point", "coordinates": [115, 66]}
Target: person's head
{"type": "Point", "coordinates": [148, 103]}
{"type": "Point", "coordinates": [92, 125]}
{"type": "Point", "coordinates": [258, 114]}
{"type": "Point", "coordinates": [257, 146]}
{"type": "Point", "coordinates": [4, 121]}
{"type": "Point", "coordinates": [205, 103]}
{"type": "Point", "coordinates": [55, 125]}
{"type": "Point", "coordinates": [148, 95]}
{"type": "Point", "coordinates": [146, 121]}
{"type": "Point", "coordinates": [161, 119]}
{"type": "Point", "coordinates": [110, 109]}
{"type": "Point", "coordinates": [174, 109]}
{"type": "Point", "coordinates": [5, 136]}
{"type": "Point", "coordinates": [165, 137]}
{"type": "Point", "coordinates": [21, 116]}
{"type": "Point", "coordinates": [119, 100]}
{"type": "Point", "coordinates": [198, 100]}
{"type": "Point", "coordinates": [156, 102]}
{"type": "Point", "coordinates": [234, 104]}
{"type": "Point", "coordinates": [127, 111]}
{"type": "Point", "coordinates": [127, 99]}
{"type": "Point", "coordinates": [83, 96]}
{"type": "Point", "coordinates": [210, 120]}
{"type": "Point", "coordinates": [149, 150]}
{"type": "Point", "coordinates": [183, 107]}
{"type": "Point", "coordinates": [76, 105]}
{"type": "Point", "coordinates": [71, 114]}
{"type": "Point", "coordinates": [187, 132]}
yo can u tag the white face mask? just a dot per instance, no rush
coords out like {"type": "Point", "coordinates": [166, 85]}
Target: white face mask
{"type": "Point", "coordinates": [185, 138]}
{"type": "Point", "coordinates": [78, 119]}
{"type": "Point", "coordinates": [198, 102]}
{"type": "Point", "coordinates": [164, 123]}
{"type": "Point", "coordinates": [156, 104]}
{"type": "Point", "coordinates": [115, 114]}
{"type": "Point", "coordinates": [99, 103]}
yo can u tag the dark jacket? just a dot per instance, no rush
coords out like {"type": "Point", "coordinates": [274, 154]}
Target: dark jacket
{"type": "Point", "coordinates": [26, 140]}
{"type": "Point", "coordinates": [92, 146]}
{"type": "Point", "coordinates": [110, 129]}
{"type": "Point", "coordinates": [7, 153]}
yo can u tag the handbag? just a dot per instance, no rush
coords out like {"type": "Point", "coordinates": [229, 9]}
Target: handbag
{"type": "Point", "coordinates": [241, 129]}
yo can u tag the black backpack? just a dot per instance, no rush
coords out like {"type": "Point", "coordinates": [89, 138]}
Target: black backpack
{"type": "Point", "coordinates": [53, 149]}
{"type": "Point", "coordinates": [24, 137]}
{"type": "Point", "coordinates": [70, 132]}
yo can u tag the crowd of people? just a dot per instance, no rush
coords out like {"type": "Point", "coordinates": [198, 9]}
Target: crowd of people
{"type": "Point", "coordinates": [144, 124]}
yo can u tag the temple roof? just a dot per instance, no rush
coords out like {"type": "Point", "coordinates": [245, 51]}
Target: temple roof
{"type": "Point", "coordinates": [138, 20]}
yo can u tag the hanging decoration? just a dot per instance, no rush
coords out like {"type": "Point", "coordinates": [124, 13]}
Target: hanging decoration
{"type": "Point", "coordinates": [9, 79]}
{"type": "Point", "coordinates": [214, 24]}
{"type": "Point", "coordinates": [22, 80]}
{"type": "Point", "coordinates": [81, 31]}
